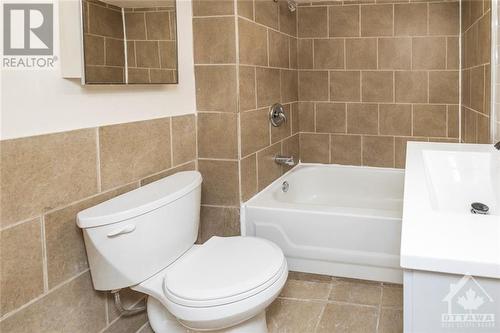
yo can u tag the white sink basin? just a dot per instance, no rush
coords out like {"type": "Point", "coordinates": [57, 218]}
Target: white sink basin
{"type": "Point", "coordinates": [440, 233]}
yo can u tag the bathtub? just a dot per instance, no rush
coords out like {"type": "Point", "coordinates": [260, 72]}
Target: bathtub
{"type": "Point", "coordinates": [335, 220]}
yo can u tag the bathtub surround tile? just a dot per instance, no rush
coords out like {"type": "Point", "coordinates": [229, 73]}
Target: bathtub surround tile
{"type": "Point", "coordinates": [377, 86]}
{"type": "Point", "coordinates": [247, 88]}
{"type": "Point", "coordinates": [252, 43]}
{"type": "Point", "coordinates": [291, 147]}
{"type": "Point", "coordinates": [429, 120]}
{"type": "Point", "coordinates": [268, 86]}
{"type": "Point", "coordinates": [347, 318]}
{"type": "Point", "coordinates": [158, 25]}
{"type": "Point", "coordinates": [306, 116]}
{"type": "Point", "coordinates": [214, 41]}
{"type": "Point", "coordinates": [266, 13]}
{"type": "Point", "coordinates": [362, 118]}
{"type": "Point", "coordinates": [313, 22]}
{"type": "Point", "coordinates": [32, 165]}
{"type": "Point", "coordinates": [344, 21]}
{"type": "Point", "coordinates": [284, 130]}
{"type": "Point", "coordinates": [132, 151]}
{"type": "Point", "coordinates": [345, 86]}
{"type": "Point", "coordinates": [248, 177]}
{"type": "Point", "coordinates": [183, 139]}
{"type": "Point", "coordinates": [443, 87]}
{"type": "Point", "coordinates": [411, 86]}
{"type": "Point", "coordinates": [313, 85]}
{"type": "Point", "coordinates": [293, 52]}
{"type": "Point", "coordinates": [376, 20]}
{"type": "Point", "coordinates": [216, 88]}
{"type": "Point", "coordinates": [65, 248]}
{"type": "Point", "coordinates": [394, 53]}
{"type": "Point", "coordinates": [185, 167]}
{"type": "Point", "coordinates": [254, 131]}
{"type": "Point", "coordinates": [315, 148]}
{"type": "Point", "coordinates": [245, 8]}
{"type": "Point", "coordinates": [220, 182]}
{"type": "Point", "coordinates": [361, 53]}
{"type": "Point", "coordinates": [395, 119]}
{"type": "Point", "coordinates": [328, 54]}
{"type": "Point", "coordinates": [289, 86]}
{"type": "Point", "coordinates": [146, 54]}
{"type": "Point", "coordinates": [20, 280]}
{"type": "Point", "coordinates": [331, 117]}
{"type": "Point", "coordinates": [218, 221]}
{"type": "Point", "coordinates": [295, 118]}
{"type": "Point", "coordinates": [346, 149]}
{"type": "Point", "coordinates": [429, 53]}
{"type": "Point", "coordinates": [217, 135]}
{"type": "Point", "coordinates": [400, 149]}
{"type": "Point", "coordinates": [444, 18]}
{"type": "Point", "coordinates": [212, 7]}
{"type": "Point", "coordinates": [279, 55]}
{"type": "Point", "coordinates": [305, 53]}
{"type": "Point", "coordinates": [287, 19]}
{"type": "Point", "coordinates": [293, 316]}
{"type": "Point", "coordinates": [410, 19]}
{"type": "Point", "coordinates": [378, 151]}
{"type": "Point", "coordinates": [56, 311]}
{"type": "Point", "coordinates": [267, 169]}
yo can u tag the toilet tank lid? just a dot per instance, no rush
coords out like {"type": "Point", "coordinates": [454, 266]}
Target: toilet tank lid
{"type": "Point", "coordinates": [140, 201]}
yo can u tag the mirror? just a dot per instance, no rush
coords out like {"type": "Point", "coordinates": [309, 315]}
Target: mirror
{"type": "Point", "coordinates": [129, 42]}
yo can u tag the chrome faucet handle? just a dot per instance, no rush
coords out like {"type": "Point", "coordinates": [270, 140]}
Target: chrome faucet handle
{"type": "Point", "coordinates": [497, 145]}
{"type": "Point", "coordinates": [277, 115]}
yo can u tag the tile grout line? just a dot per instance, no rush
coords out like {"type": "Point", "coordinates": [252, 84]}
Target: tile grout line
{"type": "Point", "coordinates": [45, 269]}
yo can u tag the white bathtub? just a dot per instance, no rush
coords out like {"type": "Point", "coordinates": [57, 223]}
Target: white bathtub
{"type": "Point", "coordinates": [335, 220]}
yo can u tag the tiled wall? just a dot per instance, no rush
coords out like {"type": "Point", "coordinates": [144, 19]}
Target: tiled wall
{"type": "Point", "coordinates": [373, 76]}
{"type": "Point", "coordinates": [151, 45]}
{"type": "Point", "coordinates": [45, 180]}
{"type": "Point", "coordinates": [104, 53]}
{"type": "Point", "coordinates": [476, 55]}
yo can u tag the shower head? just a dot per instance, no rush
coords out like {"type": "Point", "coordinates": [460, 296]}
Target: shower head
{"type": "Point", "coordinates": [292, 5]}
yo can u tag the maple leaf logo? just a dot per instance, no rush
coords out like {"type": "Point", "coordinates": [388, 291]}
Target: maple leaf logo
{"type": "Point", "coordinates": [470, 301]}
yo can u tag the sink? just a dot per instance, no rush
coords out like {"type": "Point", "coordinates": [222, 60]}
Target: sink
{"type": "Point", "coordinates": [439, 232]}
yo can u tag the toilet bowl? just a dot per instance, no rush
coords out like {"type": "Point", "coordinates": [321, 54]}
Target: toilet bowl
{"type": "Point", "coordinates": [144, 239]}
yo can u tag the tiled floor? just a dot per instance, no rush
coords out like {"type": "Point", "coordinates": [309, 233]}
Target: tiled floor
{"type": "Point", "coordinates": [315, 303]}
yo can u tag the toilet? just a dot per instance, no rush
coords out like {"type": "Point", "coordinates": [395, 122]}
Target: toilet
{"type": "Point", "coordinates": [144, 239]}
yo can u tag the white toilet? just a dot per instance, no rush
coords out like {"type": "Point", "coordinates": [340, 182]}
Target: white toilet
{"type": "Point", "coordinates": [144, 239]}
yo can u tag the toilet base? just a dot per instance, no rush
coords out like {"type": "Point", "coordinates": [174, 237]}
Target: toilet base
{"type": "Point", "coordinates": [162, 321]}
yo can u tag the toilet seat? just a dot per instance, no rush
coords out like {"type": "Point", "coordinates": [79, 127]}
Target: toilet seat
{"type": "Point", "coordinates": [224, 270]}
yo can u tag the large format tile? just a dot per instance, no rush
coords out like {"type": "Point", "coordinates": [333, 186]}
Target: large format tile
{"type": "Point", "coordinates": [21, 274]}
{"type": "Point", "coordinates": [214, 40]}
{"type": "Point", "coordinates": [348, 318]}
{"type": "Point", "coordinates": [220, 182]}
{"type": "Point", "coordinates": [306, 289]}
{"type": "Point", "coordinates": [183, 139]}
{"type": "Point", "coordinates": [216, 88]}
{"type": "Point", "coordinates": [217, 135]}
{"type": "Point", "coordinates": [44, 172]}
{"type": "Point", "coordinates": [132, 151]}
{"type": "Point", "coordinates": [218, 221]}
{"type": "Point", "coordinates": [293, 316]}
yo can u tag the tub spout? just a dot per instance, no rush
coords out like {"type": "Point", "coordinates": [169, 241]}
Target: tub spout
{"type": "Point", "coordinates": [284, 160]}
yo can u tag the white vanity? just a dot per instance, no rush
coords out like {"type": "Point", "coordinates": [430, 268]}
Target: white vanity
{"type": "Point", "coordinates": [450, 255]}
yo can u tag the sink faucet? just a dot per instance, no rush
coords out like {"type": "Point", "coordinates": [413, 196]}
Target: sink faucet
{"type": "Point", "coordinates": [284, 160]}
{"type": "Point", "coordinates": [497, 145]}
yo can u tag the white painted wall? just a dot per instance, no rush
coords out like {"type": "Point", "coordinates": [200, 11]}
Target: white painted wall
{"type": "Point", "coordinates": [41, 102]}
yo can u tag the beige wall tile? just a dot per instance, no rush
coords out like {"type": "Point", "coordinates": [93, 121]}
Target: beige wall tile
{"type": "Point", "coordinates": [254, 131]}
{"type": "Point", "coordinates": [74, 307]}
{"type": "Point", "coordinates": [429, 120]}
{"type": "Point", "coordinates": [361, 53]}
{"type": "Point", "coordinates": [21, 276]}
{"type": "Point", "coordinates": [247, 99]}
{"type": "Point", "coordinates": [168, 54]}
{"type": "Point", "coordinates": [163, 76]}
{"type": "Point", "coordinates": [477, 89]}
{"type": "Point", "coordinates": [345, 86]}
{"type": "Point", "coordinates": [220, 182]}
{"type": "Point", "coordinates": [287, 19]}
{"type": "Point", "coordinates": [105, 22]}
{"type": "Point", "coordinates": [183, 139]}
{"type": "Point", "coordinates": [291, 147]}
{"type": "Point", "coordinates": [214, 40]}
{"type": "Point", "coordinates": [328, 53]}
{"type": "Point", "coordinates": [305, 54]}
{"type": "Point", "coordinates": [410, 19]}
{"type": "Point", "coordinates": [216, 88]}
{"type": "Point", "coordinates": [377, 86]}
{"type": "Point", "coordinates": [394, 53]}
{"type": "Point", "coordinates": [289, 86]}
{"type": "Point", "coordinates": [132, 151]}
{"type": "Point", "coordinates": [376, 20]}
{"type": "Point", "coordinates": [395, 119]}
{"type": "Point", "coordinates": [444, 18]}
{"type": "Point", "coordinates": [313, 85]}
{"type": "Point", "coordinates": [279, 55]}
{"type": "Point", "coordinates": [295, 118]}
{"type": "Point", "coordinates": [215, 7]}
{"type": "Point", "coordinates": [266, 13]}
{"type": "Point", "coordinates": [362, 118]}
{"type": "Point", "coordinates": [429, 53]}
{"type": "Point", "coordinates": [185, 167]}
{"type": "Point", "coordinates": [147, 54]}
{"type": "Point", "coordinates": [346, 149]}
{"type": "Point", "coordinates": [484, 39]}
{"type": "Point", "coordinates": [331, 117]}
{"type": "Point", "coordinates": [400, 149]}
{"type": "Point", "coordinates": [314, 148]}
{"type": "Point", "coordinates": [217, 135]}
{"type": "Point", "coordinates": [158, 25]}
{"type": "Point", "coordinates": [219, 221]}
{"type": "Point", "coordinates": [138, 75]}
{"type": "Point", "coordinates": [66, 255]}
{"type": "Point", "coordinates": [31, 166]}
{"type": "Point", "coordinates": [267, 169]}
{"type": "Point", "coordinates": [293, 52]}
{"type": "Point", "coordinates": [443, 87]}
{"type": "Point", "coordinates": [268, 86]}
{"type": "Point", "coordinates": [483, 129]}
{"type": "Point", "coordinates": [378, 151]}
{"type": "Point", "coordinates": [284, 130]}
{"type": "Point", "coordinates": [99, 74]}
{"type": "Point", "coordinates": [312, 21]}
{"type": "Point", "coordinates": [245, 8]}
{"type": "Point", "coordinates": [344, 21]}
{"type": "Point", "coordinates": [470, 126]}
{"type": "Point", "coordinates": [453, 121]}
{"type": "Point", "coordinates": [411, 87]}
{"type": "Point", "coordinates": [452, 53]}
{"type": "Point", "coordinates": [352, 318]}
{"type": "Point", "coordinates": [94, 50]}
{"type": "Point", "coordinates": [136, 26]}
{"type": "Point", "coordinates": [248, 177]}
{"type": "Point", "coordinates": [252, 43]}
{"type": "Point", "coordinates": [306, 116]}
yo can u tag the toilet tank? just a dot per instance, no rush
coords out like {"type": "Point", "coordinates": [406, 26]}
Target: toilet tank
{"type": "Point", "coordinates": [133, 236]}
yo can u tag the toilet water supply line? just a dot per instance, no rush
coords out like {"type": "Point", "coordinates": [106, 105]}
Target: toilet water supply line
{"type": "Point", "coordinates": [125, 311]}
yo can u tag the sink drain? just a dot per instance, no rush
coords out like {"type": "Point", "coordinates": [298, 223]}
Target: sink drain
{"type": "Point", "coordinates": [479, 208]}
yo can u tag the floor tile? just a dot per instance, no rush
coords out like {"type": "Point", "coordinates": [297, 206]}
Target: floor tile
{"type": "Point", "coordinates": [293, 316]}
{"type": "Point", "coordinates": [339, 318]}
{"type": "Point", "coordinates": [306, 289]}
{"type": "Point", "coordinates": [391, 321]}
{"type": "Point", "coordinates": [356, 291]}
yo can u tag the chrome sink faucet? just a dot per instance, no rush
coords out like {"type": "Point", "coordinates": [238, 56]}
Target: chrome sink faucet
{"type": "Point", "coordinates": [284, 160]}
{"type": "Point", "coordinates": [497, 145]}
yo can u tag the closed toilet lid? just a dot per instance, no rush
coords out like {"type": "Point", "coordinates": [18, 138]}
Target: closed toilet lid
{"type": "Point", "coordinates": [222, 268]}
